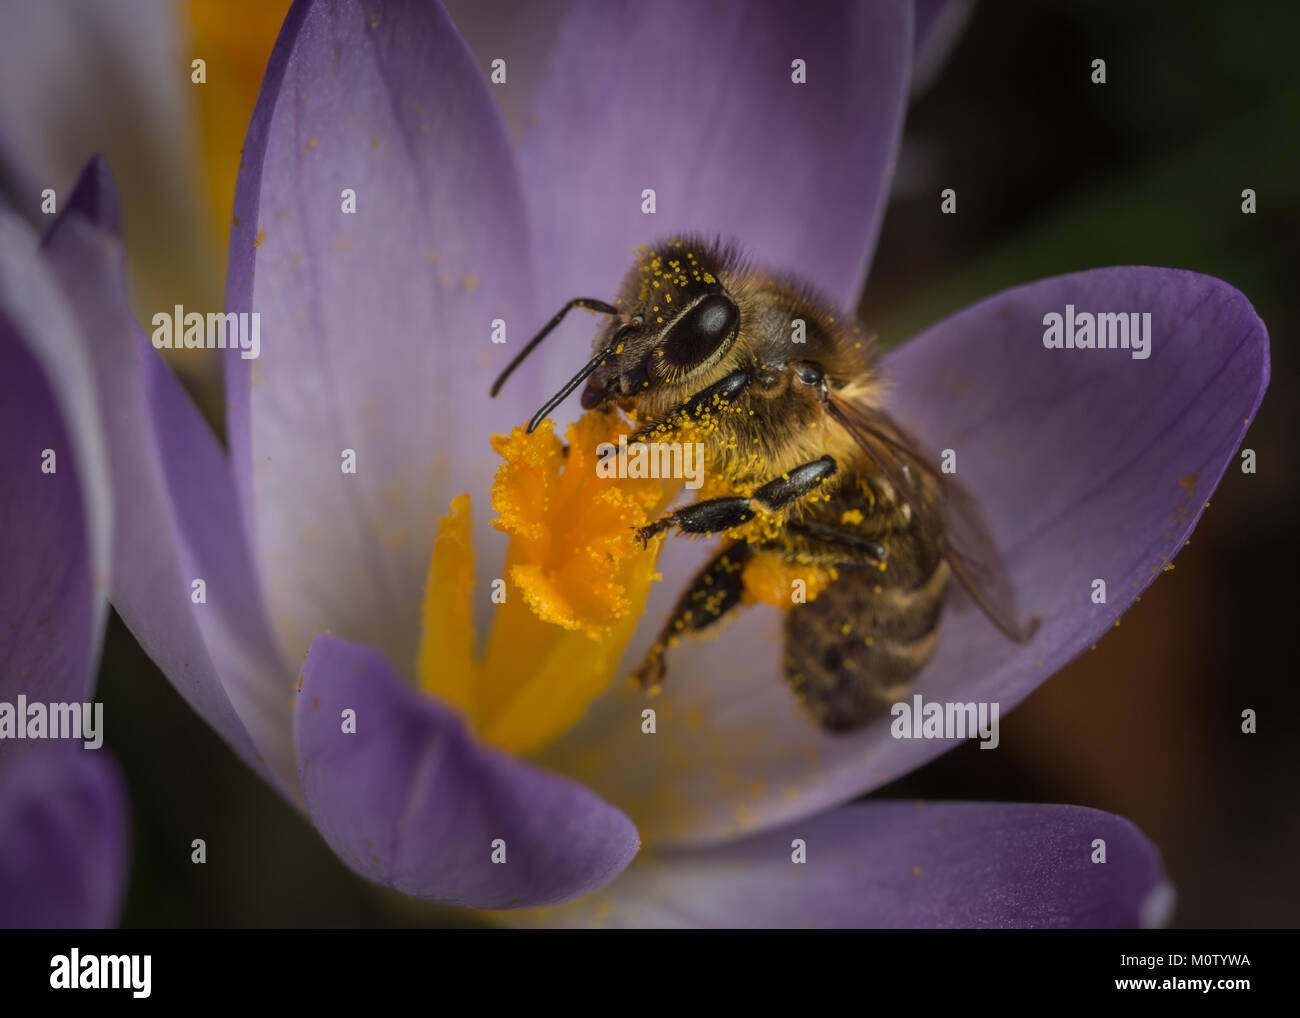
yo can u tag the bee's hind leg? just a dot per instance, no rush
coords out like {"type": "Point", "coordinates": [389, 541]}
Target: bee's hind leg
{"type": "Point", "coordinates": [715, 591]}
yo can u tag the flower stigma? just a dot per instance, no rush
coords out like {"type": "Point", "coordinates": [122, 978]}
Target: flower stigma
{"type": "Point", "coordinates": [575, 586]}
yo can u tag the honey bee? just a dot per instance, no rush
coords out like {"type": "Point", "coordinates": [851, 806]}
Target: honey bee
{"type": "Point", "coordinates": [807, 471]}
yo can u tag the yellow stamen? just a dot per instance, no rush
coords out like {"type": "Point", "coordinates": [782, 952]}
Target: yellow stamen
{"type": "Point", "coordinates": [446, 662]}
{"type": "Point", "coordinates": [576, 580]}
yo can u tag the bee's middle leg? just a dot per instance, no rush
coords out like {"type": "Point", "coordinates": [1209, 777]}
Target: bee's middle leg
{"type": "Point", "coordinates": [839, 541]}
{"type": "Point", "coordinates": [716, 514]}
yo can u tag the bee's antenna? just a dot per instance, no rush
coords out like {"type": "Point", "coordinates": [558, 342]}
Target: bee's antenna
{"type": "Point", "coordinates": [582, 374]}
{"type": "Point", "coordinates": [569, 386]}
{"type": "Point", "coordinates": [590, 303]}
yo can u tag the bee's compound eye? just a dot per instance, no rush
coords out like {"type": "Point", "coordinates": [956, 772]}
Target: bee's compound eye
{"type": "Point", "coordinates": [701, 330]}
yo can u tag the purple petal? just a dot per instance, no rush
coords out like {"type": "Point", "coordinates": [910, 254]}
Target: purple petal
{"type": "Point", "coordinates": [51, 611]}
{"type": "Point", "coordinates": [695, 101]}
{"type": "Point", "coordinates": [413, 801]}
{"type": "Point", "coordinates": [63, 839]}
{"type": "Point", "coordinates": [521, 34]}
{"type": "Point", "coordinates": [62, 808]}
{"type": "Point", "coordinates": [55, 529]}
{"type": "Point", "coordinates": [376, 326]}
{"type": "Point", "coordinates": [1087, 464]}
{"type": "Point", "coordinates": [899, 865]}
{"type": "Point", "coordinates": [177, 517]}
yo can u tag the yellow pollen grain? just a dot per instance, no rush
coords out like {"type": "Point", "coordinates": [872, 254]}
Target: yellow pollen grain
{"type": "Point", "coordinates": [770, 579]}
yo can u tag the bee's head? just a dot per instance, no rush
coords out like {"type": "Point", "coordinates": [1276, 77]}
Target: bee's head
{"type": "Point", "coordinates": [646, 356]}
{"type": "Point", "coordinates": [673, 321]}
{"type": "Point", "coordinates": [678, 323]}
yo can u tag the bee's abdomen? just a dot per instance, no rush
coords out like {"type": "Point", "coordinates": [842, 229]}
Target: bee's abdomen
{"type": "Point", "coordinates": [853, 651]}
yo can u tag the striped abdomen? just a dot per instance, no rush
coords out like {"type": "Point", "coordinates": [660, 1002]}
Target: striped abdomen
{"type": "Point", "coordinates": [853, 651]}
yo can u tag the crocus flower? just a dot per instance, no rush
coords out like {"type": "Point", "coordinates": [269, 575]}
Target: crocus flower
{"type": "Point", "coordinates": [62, 806]}
{"type": "Point", "coordinates": [346, 541]}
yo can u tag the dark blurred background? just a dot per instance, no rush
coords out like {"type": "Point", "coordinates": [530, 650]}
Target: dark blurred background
{"type": "Point", "coordinates": [1053, 174]}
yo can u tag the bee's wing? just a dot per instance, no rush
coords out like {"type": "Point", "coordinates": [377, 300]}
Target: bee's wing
{"type": "Point", "coordinates": [947, 511]}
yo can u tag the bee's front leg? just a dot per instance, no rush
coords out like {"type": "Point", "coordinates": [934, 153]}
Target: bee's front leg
{"type": "Point", "coordinates": [717, 397]}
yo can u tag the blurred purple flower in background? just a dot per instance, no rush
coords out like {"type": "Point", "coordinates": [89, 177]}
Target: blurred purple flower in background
{"type": "Point", "coordinates": [63, 827]}
{"type": "Point", "coordinates": [375, 338]}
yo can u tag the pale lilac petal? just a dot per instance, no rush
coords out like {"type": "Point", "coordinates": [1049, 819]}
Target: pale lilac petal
{"type": "Point", "coordinates": [521, 34]}
{"type": "Point", "coordinates": [63, 839]}
{"type": "Point", "coordinates": [100, 76]}
{"type": "Point", "coordinates": [900, 865]}
{"type": "Point", "coordinates": [695, 101]}
{"type": "Point", "coordinates": [412, 800]}
{"type": "Point", "coordinates": [1087, 464]}
{"type": "Point", "coordinates": [54, 534]}
{"type": "Point", "coordinates": [375, 326]}
{"type": "Point", "coordinates": [62, 807]}
{"type": "Point", "coordinates": [49, 606]}
{"type": "Point", "coordinates": [177, 518]}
